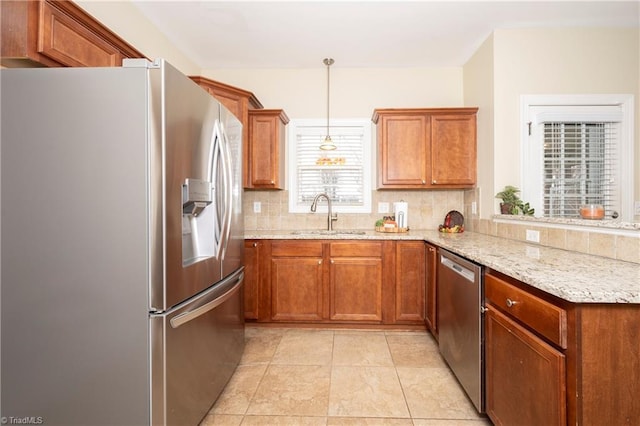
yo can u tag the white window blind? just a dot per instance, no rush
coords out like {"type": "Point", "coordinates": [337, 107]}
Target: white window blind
{"type": "Point", "coordinates": [341, 173]}
{"type": "Point", "coordinates": [579, 166]}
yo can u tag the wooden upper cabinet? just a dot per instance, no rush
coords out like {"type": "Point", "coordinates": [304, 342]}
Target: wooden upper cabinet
{"type": "Point", "coordinates": [403, 148]}
{"type": "Point", "coordinates": [266, 148]}
{"type": "Point", "coordinates": [426, 148]}
{"type": "Point", "coordinates": [453, 149]}
{"type": "Point", "coordinates": [58, 33]}
{"type": "Point", "coordinates": [239, 102]}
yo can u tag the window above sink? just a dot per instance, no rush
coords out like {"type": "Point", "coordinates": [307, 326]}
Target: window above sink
{"type": "Point", "coordinates": [344, 174]}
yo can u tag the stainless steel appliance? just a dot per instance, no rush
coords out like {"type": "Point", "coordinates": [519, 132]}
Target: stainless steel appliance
{"type": "Point", "coordinates": [122, 246]}
{"type": "Point", "coordinates": [460, 322]}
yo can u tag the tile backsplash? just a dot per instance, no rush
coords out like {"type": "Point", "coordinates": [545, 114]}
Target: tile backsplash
{"type": "Point", "coordinates": [426, 210]}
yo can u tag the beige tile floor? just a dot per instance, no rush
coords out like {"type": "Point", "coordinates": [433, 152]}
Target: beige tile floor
{"type": "Point", "coordinates": [342, 377]}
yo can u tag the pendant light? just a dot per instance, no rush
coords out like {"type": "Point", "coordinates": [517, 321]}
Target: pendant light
{"type": "Point", "coordinates": [327, 144]}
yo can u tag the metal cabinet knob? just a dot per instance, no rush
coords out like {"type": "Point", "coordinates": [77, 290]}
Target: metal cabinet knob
{"type": "Point", "coordinates": [255, 244]}
{"type": "Point", "coordinates": [510, 303]}
{"type": "Point", "coordinates": [319, 262]}
{"type": "Point", "coordinates": [434, 182]}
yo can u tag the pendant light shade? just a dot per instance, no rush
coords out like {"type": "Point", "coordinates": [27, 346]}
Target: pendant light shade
{"type": "Point", "coordinates": [327, 144]}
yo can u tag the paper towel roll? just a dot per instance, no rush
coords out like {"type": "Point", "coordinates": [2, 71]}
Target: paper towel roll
{"type": "Point", "coordinates": [401, 210]}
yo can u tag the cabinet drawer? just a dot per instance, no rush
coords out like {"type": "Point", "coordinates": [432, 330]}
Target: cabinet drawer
{"type": "Point", "coordinates": [356, 249]}
{"type": "Point", "coordinates": [297, 248]}
{"type": "Point", "coordinates": [545, 318]}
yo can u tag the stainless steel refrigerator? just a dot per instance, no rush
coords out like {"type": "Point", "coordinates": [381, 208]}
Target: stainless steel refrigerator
{"type": "Point", "coordinates": [122, 246]}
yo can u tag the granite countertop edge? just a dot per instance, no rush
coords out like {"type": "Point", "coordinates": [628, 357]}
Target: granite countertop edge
{"type": "Point", "coordinates": [572, 276]}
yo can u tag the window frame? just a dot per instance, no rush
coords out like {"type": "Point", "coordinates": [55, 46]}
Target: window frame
{"type": "Point", "coordinates": [532, 191]}
{"type": "Point", "coordinates": [292, 165]}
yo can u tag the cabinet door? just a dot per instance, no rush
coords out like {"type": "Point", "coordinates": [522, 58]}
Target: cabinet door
{"type": "Point", "coordinates": [410, 281]}
{"type": "Point", "coordinates": [525, 377]}
{"type": "Point", "coordinates": [431, 290]}
{"type": "Point", "coordinates": [453, 149]}
{"type": "Point", "coordinates": [356, 281]}
{"type": "Point", "coordinates": [66, 41]}
{"type": "Point", "coordinates": [296, 289]}
{"type": "Point", "coordinates": [356, 289]}
{"type": "Point", "coordinates": [266, 148]}
{"type": "Point", "coordinates": [251, 278]}
{"type": "Point", "coordinates": [296, 284]}
{"type": "Point", "coordinates": [403, 152]}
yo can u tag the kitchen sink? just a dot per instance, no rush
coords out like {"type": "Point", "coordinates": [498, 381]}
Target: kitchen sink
{"type": "Point", "coordinates": [327, 232]}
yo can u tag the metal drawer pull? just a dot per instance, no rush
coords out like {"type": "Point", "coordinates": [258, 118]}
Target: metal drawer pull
{"type": "Point", "coordinates": [510, 303]}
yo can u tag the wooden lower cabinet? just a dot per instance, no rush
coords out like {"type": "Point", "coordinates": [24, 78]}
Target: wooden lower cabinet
{"type": "Point", "coordinates": [342, 282]}
{"type": "Point", "coordinates": [252, 274]}
{"type": "Point", "coordinates": [525, 376]}
{"type": "Point", "coordinates": [431, 289]}
{"type": "Point", "coordinates": [410, 282]}
{"type": "Point", "coordinates": [553, 362]}
{"type": "Point", "coordinates": [356, 281]}
{"type": "Point", "coordinates": [297, 290]}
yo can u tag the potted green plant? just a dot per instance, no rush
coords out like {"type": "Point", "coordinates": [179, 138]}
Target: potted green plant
{"type": "Point", "coordinates": [510, 200]}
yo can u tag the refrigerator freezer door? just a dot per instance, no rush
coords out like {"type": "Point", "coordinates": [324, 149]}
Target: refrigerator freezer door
{"type": "Point", "coordinates": [196, 348]}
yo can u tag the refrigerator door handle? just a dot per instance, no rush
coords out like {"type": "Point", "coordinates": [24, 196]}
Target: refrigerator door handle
{"type": "Point", "coordinates": [185, 317]}
{"type": "Point", "coordinates": [227, 185]}
{"type": "Point", "coordinates": [217, 163]}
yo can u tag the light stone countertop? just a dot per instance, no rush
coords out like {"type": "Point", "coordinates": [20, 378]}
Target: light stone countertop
{"type": "Point", "coordinates": [572, 276]}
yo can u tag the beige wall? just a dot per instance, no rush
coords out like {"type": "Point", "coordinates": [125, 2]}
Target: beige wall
{"type": "Point", "coordinates": [355, 92]}
{"type": "Point", "coordinates": [478, 91]}
{"type": "Point", "coordinates": [556, 61]}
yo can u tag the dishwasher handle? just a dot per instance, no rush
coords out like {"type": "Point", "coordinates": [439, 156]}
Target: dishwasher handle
{"type": "Point", "coordinates": [460, 270]}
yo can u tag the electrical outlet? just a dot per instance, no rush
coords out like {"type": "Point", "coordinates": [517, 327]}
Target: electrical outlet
{"type": "Point", "coordinates": [533, 236]}
{"type": "Point", "coordinates": [533, 252]}
{"type": "Point", "coordinates": [637, 208]}
{"type": "Point", "coordinates": [474, 207]}
{"type": "Point", "coordinates": [257, 207]}
{"type": "Point", "coordinates": [383, 207]}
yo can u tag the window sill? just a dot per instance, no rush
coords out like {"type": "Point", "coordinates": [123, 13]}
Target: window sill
{"type": "Point", "coordinates": [606, 226]}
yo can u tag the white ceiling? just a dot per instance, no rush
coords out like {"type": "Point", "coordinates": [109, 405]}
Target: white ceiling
{"type": "Point", "coordinates": [391, 33]}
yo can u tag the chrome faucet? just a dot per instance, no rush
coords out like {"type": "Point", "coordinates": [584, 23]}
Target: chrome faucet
{"type": "Point", "coordinates": [331, 216]}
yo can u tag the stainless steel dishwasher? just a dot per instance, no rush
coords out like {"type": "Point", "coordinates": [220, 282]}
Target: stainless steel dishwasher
{"type": "Point", "coordinates": [460, 322]}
